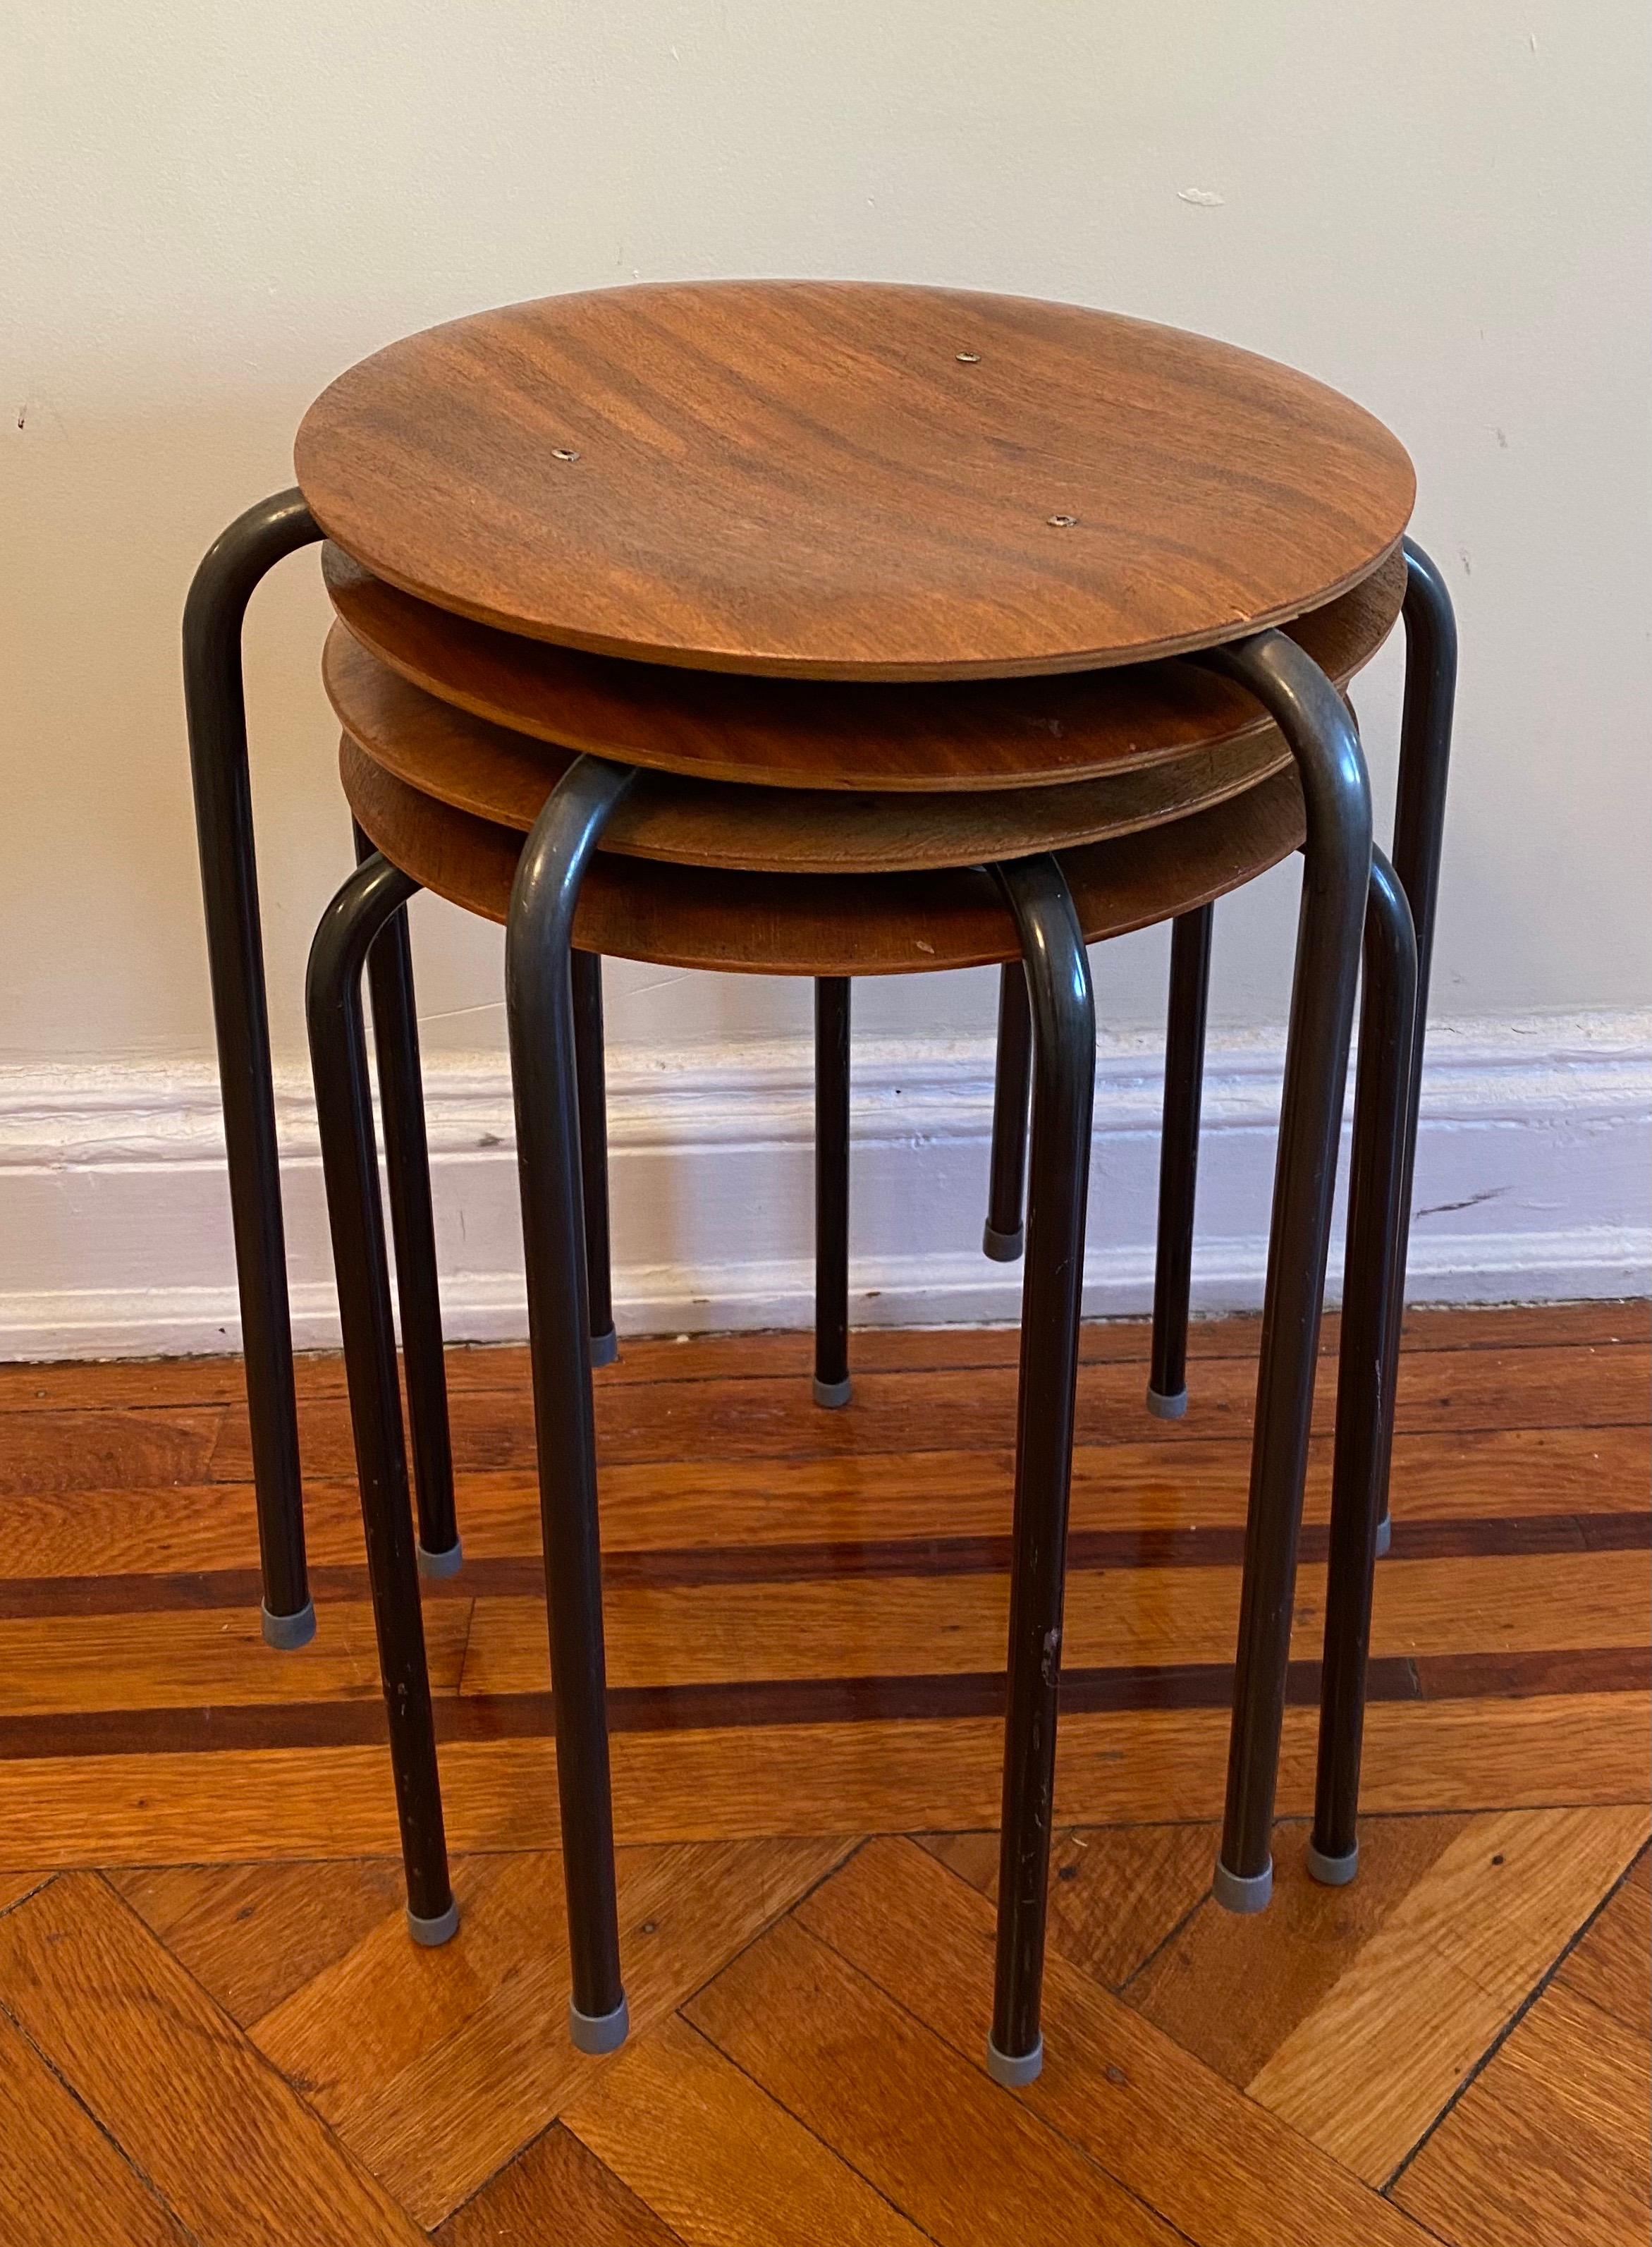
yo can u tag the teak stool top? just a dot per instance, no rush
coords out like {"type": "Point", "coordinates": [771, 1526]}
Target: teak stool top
{"type": "Point", "coordinates": [505, 777]}
{"type": "Point", "coordinates": [1025, 733]}
{"type": "Point", "coordinates": [825, 923]}
{"type": "Point", "coordinates": [844, 480]}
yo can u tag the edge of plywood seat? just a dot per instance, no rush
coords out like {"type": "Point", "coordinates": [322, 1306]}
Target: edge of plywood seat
{"type": "Point", "coordinates": [941, 738]}
{"type": "Point", "coordinates": [827, 924]}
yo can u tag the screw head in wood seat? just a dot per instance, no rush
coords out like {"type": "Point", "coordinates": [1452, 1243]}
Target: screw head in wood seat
{"type": "Point", "coordinates": [849, 480]}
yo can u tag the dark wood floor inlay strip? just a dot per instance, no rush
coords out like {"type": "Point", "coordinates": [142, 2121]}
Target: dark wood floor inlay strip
{"type": "Point", "coordinates": [519, 1575]}
{"type": "Point", "coordinates": [803, 1701]}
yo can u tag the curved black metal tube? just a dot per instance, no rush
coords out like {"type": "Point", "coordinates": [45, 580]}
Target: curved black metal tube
{"type": "Point", "coordinates": [1337, 875]}
{"type": "Point", "coordinates": [586, 969]}
{"type": "Point", "coordinates": [366, 905]}
{"type": "Point", "coordinates": [831, 1191]}
{"type": "Point", "coordinates": [1425, 749]}
{"type": "Point", "coordinates": [1063, 1054]}
{"type": "Point", "coordinates": [401, 1101]}
{"type": "Point", "coordinates": [1003, 1239]}
{"type": "Point", "coordinates": [215, 702]}
{"type": "Point", "coordinates": [540, 1010]}
{"type": "Point", "coordinates": [1419, 828]}
{"type": "Point", "coordinates": [1367, 1356]}
{"type": "Point", "coordinates": [1179, 1159]}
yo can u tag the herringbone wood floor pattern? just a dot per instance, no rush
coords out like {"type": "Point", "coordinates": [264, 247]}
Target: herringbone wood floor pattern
{"type": "Point", "coordinates": [213, 2027]}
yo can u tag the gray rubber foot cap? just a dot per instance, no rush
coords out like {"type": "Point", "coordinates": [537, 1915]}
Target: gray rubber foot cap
{"type": "Point", "coordinates": [605, 1347]}
{"type": "Point", "coordinates": [433, 1933]}
{"type": "Point", "coordinates": [1235, 1892]}
{"type": "Point", "coordinates": [1012, 2072]}
{"type": "Point", "coordinates": [1003, 1247]}
{"type": "Point", "coordinates": [599, 2032]}
{"type": "Point", "coordinates": [1167, 1408]}
{"type": "Point", "coordinates": [1384, 1536]}
{"type": "Point", "coordinates": [1332, 1872]}
{"type": "Point", "coordinates": [443, 1564]}
{"type": "Point", "coordinates": [288, 1631]}
{"type": "Point", "coordinates": [829, 1394]}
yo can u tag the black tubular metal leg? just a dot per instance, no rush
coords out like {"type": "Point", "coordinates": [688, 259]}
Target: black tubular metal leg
{"type": "Point", "coordinates": [1336, 876]}
{"type": "Point", "coordinates": [367, 902]}
{"type": "Point", "coordinates": [1179, 1159]}
{"type": "Point", "coordinates": [539, 1009]}
{"type": "Point", "coordinates": [1419, 827]}
{"type": "Point", "coordinates": [587, 970]}
{"type": "Point", "coordinates": [401, 1101]}
{"type": "Point", "coordinates": [215, 704]}
{"type": "Point", "coordinates": [1365, 1362]}
{"type": "Point", "coordinates": [1002, 1238]}
{"type": "Point", "coordinates": [831, 1191]}
{"type": "Point", "coordinates": [1064, 1053]}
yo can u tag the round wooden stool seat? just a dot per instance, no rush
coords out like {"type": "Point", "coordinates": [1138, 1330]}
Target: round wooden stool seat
{"type": "Point", "coordinates": [505, 778]}
{"type": "Point", "coordinates": [822, 923]}
{"type": "Point", "coordinates": [838, 480]}
{"type": "Point", "coordinates": [1010, 733]}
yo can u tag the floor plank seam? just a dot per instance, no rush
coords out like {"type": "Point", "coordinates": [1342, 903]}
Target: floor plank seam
{"type": "Point", "coordinates": [1513, 2022]}
{"type": "Point", "coordinates": [1158, 1948]}
{"type": "Point", "coordinates": [926, 2029]}
{"type": "Point", "coordinates": [522, 2154]}
{"type": "Point", "coordinates": [71, 2092]}
{"type": "Point", "coordinates": [833, 2153]}
{"type": "Point", "coordinates": [458, 1687]}
{"type": "Point", "coordinates": [858, 1842]}
{"type": "Point", "coordinates": [234, 2033]}
{"type": "Point", "coordinates": [44, 1881]}
{"type": "Point", "coordinates": [224, 1412]}
{"type": "Point", "coordinates": [1092, 1452]}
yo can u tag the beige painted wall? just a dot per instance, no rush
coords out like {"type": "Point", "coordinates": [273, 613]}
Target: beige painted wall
{"type": "Point", "coordinates": [209, 209]}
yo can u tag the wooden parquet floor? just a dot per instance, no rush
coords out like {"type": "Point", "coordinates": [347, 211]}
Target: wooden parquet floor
{"type": "Point", "coordinates": [213, 2028]}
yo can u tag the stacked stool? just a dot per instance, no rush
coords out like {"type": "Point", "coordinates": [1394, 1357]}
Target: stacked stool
{"type": "Point", "coordinates": [830, 630]}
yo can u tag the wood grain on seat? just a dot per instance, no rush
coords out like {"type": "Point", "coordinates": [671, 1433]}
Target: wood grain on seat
{"type": "Point", "coordinates": [1023, 733]}
{"type": "Point", "coordinates": [846, 479]}
{"type": "Point", "coordinates": [827, 924]}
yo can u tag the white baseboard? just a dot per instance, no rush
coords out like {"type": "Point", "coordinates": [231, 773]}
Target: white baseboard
{"type": "Point", "coordinates": [114, 1237]}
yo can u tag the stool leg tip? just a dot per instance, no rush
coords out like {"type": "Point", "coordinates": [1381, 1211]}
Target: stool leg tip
{"type": "Point", "coordinates": [599, 2032]}
{"type": "Point", "coordinates": [1331, 1872]}
{"type": "Point", "coordinates": [430, 1934]}
{"type": "Point", "coordinates": [284, 1632]}
{"type": "Point", "coordinates": [831, 1395]}
{"type": "Point", "coordinates": [437, 1565]}
{"type": "Point", "coordinates": [1166, 1407]}
{"type": "Point", "coordinates": [1014, 2070]}
{"type": "Point", "coordinates": [1003, 1247]}
{"type": "Point", "coordinates": [1242, 1892]}
{"type": "Point", "coordinates": [605, 1347]}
